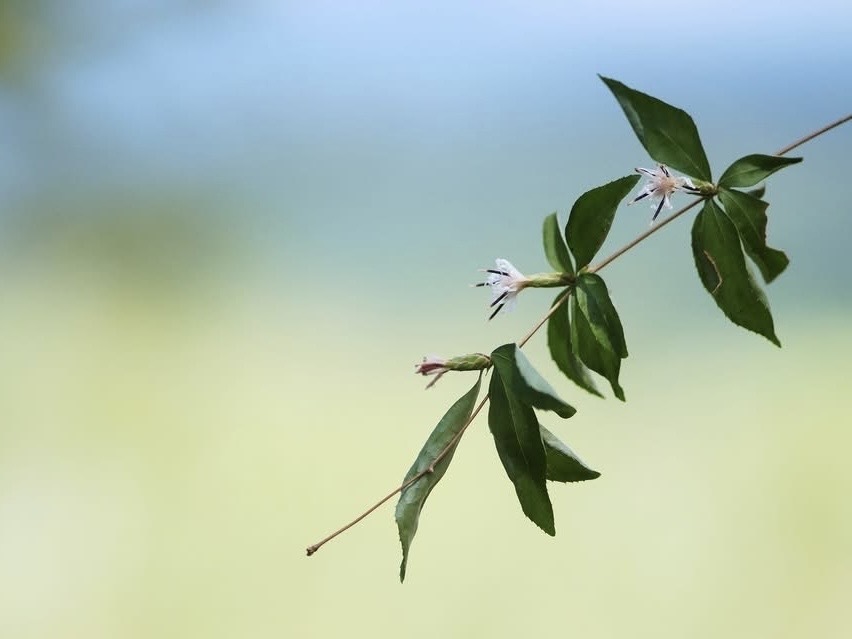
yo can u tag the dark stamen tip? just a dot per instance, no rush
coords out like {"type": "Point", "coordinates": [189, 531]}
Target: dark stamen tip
{"type": "Point", "coordinates": [499, 299]}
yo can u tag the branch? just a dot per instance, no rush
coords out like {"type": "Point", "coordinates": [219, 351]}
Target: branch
{"type": "Point", "coordinates": [455, 440]}
{"type": "Point", "coordinates": [312, 549]}
{"type": "Point", "coordinates": [594, 269]}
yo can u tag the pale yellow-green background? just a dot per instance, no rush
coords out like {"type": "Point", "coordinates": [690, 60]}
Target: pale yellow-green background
{"type": "Point", "coordinates": [227, 232]}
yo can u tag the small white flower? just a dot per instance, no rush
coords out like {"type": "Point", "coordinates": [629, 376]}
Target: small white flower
{"type": "Point", "coordinates": [506, 282]}
{"type": "Point", "coordinates": [661, 184]}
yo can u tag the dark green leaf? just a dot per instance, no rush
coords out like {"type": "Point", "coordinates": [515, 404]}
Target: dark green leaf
{"type": "Point", "coordinates": [749, 216]}
{"type": "Point", "coordinates": [759, 192]}
{"type": "Point", "coordinates": [518, 440]}
{"type": "Point", "coordinates": [562, 463]}
{"type": "Point", "coordinates": [530, 387]}
{"type": "Point", "coordinates": [667, 133]}
{"type": "Point", "coordinates": [559, 343]}
{"type": "Point", "coordinates": [554, 246]}
{"type": "Point", "coordinates": [595, 349]}
{"type": "Point", "coordinates": [751, 169]}
{"type": "Point", "coordinates": [412, 498]}
{"type": "Point", "coordinates": [591, 218]}
{"type": "Point", "coordinates": [596, 305]}
{"type": "Point", "coordinates": [723, 271]}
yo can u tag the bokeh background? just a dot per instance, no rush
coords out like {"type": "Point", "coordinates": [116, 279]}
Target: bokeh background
{"type": "Point", "coordinates": [228, 229]}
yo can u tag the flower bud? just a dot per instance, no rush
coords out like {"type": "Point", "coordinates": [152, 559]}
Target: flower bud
{"type": "Point", "coordinates": [472, 362]}
{"type": "Point", "coordinates": [434, 365]}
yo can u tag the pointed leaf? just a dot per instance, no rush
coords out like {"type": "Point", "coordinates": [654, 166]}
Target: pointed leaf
{"type": "Point", "coordinates": [749, 216]}
{"type": "Point", "coordinates": [667, 133]}
{"type": "Point", "coordinates": [562, 462]}
{"type": "Point", "coordinates": [554, 246]}
{"type": "Point", "coordinates": [530, 387]}
{"type": "Point", "coordinates": [759, 192]}
{"type": "Point", "coordinates": [412, 498]}
{"type": "Point", "coordinates": [592, 215]}
{"type": "Point", "coordinates": [751, 169]}
{"type": "Point", "coordinates": [723, 271]}
{"type": "Point", "coordinates": [518, 440]}
{"type": "Point", "coordinates": [559, 343]}
{"type": "Point", "coordinates": [594, 348]}
{"type": "Point", "coordinates": [597, 306]}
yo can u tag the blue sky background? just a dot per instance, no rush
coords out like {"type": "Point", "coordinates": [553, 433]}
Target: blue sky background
{"type": "Point", "coordinates": [391, 120]}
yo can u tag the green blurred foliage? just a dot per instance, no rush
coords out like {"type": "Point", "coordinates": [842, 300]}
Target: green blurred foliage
{"type": "Point", "coordinates": [152, 243]}
{"type": "Point", "coordinates": [22, 39]}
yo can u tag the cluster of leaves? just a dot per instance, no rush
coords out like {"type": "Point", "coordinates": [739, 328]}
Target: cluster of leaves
{"type": "Point", "coordinates": [530, 453]}
{"type": "Point", "coordinates": [584, 331]}
{"type": "Point", "coordinates": [730, 220]}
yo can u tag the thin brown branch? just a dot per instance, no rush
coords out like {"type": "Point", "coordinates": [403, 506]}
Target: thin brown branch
{"type": "Point", "coordinates": [603, 263]}
{"type": "Point", "coordinates": [642, 237]}
{"type": "Point", "coordinates": [455, 440]}
{"type": "Point", "coordinates": [811, 136]}
{"type": "Point", "coordinates": [522, 342]}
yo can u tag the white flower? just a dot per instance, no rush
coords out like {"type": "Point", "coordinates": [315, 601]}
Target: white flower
{"type": "Point", "coordinates": [506, 282]}
{"type": "Point", "coordinates": [661, 184]}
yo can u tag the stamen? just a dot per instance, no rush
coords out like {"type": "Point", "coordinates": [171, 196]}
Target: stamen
{"type": "Point", "coordinates": [499, 299]}
{"type": "Point", "coordinates": [435, 379]}
{"type": "Point", "coordinates": [491, 270]}
{"type": "Point", "coordinates": [659, 208]}
{"type": "Point", "coordinates": [665, 170]}
{"type": "Point", "coordinates": [639, 197]}
{"type": "Point", "coordinates": [497, 310]}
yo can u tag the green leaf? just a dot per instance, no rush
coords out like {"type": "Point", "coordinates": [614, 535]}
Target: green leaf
{"type": "Point", "coordinates": [759, 192]}
{"type": "Point", "coordinates": [562, 463]}
{"type": "Point", "coordinates": [412, 498]}
{"type": "Point", "coordinates": [596, 305]}
{"type": "Point", "coordinates": [591, 218]}
{"type": "Point", "coordinates": [667, 133]}
{"type": "Point", "coordinates": [518, 440]}
{"type": "Point", "coordinates": [748, 214]}
{"type": "Point", "coordinates": [594, 348]}
{"type": "Point", "coordinates": [530, 387]}
{"type": "Point", "coordinates": [751, 169]}
{"type": "Point", "coordinates": [559, 343]}
{"type": "Point", "coordinates": [723, 271]}
{"type": "Point", "coordinates": [554, 246]}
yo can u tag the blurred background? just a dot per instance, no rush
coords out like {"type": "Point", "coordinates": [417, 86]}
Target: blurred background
{"type": "Point", "coordinates": [228, 230]}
